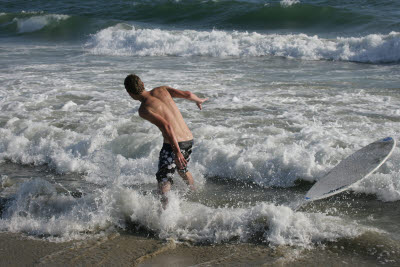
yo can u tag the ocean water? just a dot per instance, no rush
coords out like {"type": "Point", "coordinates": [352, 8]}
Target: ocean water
{"type": "Point", "coordinates": [295, 86]}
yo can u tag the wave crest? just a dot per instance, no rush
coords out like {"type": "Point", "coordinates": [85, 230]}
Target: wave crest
{"type": "Point", "coordinates": [50, 26]}
{"type": "Point", "coordinates": [119, 40]}
{"type": "Point", "coordinates": [36, 23]}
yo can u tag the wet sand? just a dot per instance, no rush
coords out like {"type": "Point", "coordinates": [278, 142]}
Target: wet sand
{"type": "Point", "coordinates": [111, 250]}
{"type": "Point", "coordinates": [129, 250]}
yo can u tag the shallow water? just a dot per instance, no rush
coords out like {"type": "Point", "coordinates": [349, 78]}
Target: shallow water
{"type": "Point", "coordinates": [287, 103]}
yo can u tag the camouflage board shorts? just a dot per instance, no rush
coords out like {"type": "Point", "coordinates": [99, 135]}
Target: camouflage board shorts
{"type": "Point", "coordinates": [166, 164]}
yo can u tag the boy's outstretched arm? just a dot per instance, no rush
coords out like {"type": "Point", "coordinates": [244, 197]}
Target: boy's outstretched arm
{"type": "Point", "coordinates": [187, 95]}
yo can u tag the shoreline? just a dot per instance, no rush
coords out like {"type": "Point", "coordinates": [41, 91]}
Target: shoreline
{"type": "Point", "coordinates": [131, 250]}
{"type": "Point", "coordinates": [112, 249]}
{"type": "Point", "coordinates": [123, 249]}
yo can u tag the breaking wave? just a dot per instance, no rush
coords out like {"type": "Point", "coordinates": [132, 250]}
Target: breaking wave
{"type": "Point", "coordinates": [125, 40]}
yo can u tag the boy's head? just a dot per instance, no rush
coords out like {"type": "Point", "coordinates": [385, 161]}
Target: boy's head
{"type": "Point", "coordinates": [133, 84]}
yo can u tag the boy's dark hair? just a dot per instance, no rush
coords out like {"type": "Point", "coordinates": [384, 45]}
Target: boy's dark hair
{"type": "Point", "coordinates": [133, 84]}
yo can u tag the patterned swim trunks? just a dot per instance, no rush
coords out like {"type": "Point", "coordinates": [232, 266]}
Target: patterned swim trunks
{"type": "Point", "coordinates": [166, 164]}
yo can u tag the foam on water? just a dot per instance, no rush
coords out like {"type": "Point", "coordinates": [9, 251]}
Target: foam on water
{"type": "Point", "coordinates": [104, 153]}
{"type": "Point", "coordinates": [276, 159]}
{"type": "Point", "coordinates": [275, 224]}
{"type": "Point", "coordinates": [287, 3]}
{"type": "Point", "coordinates": [119, 40]}
{"type": "Point", "coordinates": [38, 209]}
{"type": "Point", "coordinates": [72, 114]}
{"type": "Point", "coordinates": [300, 134]}
{"type": "Point", "coordinates": [385, 184]}
{"type": "Point", "coordinates": [41, 144]}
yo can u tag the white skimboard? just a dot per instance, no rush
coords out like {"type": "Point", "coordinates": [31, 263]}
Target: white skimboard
{"type": "Point", "coordinates": [352, 169]}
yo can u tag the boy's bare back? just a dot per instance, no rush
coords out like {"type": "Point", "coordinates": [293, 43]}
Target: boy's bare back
{"type": "Point", "coordinates": [160, 103]}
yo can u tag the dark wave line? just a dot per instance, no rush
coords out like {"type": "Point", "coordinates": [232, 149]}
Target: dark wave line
{"type": "Point", "coordinates": [208, 14]}
{"type": "Point", "coordinates": [243, 15]}
{"type": "Point", "coordinates": [50, 26]}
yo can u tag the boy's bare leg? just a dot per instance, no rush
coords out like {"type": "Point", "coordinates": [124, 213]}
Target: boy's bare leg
{"type": "Point", "coordinates": [188, 178]}
{"type": "Point", "coordinates": [163, 188]}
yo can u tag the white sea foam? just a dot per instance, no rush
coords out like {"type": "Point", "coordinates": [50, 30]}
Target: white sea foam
{"type": "Point", "coordinates": [119, 40]}
{"type": "Point", "coordinates": [278, 225]}
{"type": "Point", "coordinates": [5, 181]}
{"type": "Point", "coordinates": [40, 144]}
{"type": "Point", "coordinates": [100, 139]}
{"type": "Point", "coordinates": [38, 209]}
{"type": "Point", "coordinates": [36, 23]}
{"type": "Point", "coordinates": [384, 184]}
{"type": "Point", "coordinates": [286, 3]}
{"type": "Point", "coordinates": [106, 154]}
{"type": "Point", "coordinates": [68, 106]}
{"type": "Point", "coordinates": [267, 122]}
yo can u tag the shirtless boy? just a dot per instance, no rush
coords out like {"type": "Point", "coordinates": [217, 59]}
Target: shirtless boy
{"type": "Point", "coordinates": [158, 107]}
